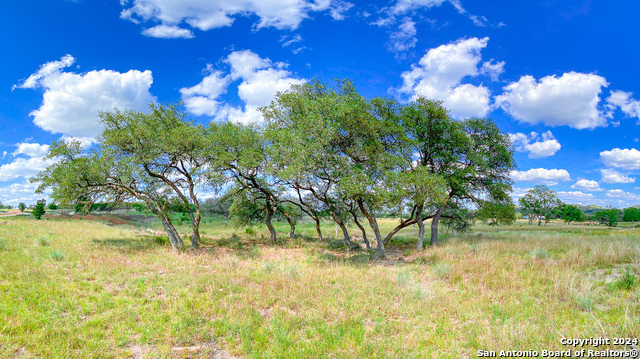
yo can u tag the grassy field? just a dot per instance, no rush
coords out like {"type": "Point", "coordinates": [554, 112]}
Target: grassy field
{"type": "Point", "coordinates": [78, 289]}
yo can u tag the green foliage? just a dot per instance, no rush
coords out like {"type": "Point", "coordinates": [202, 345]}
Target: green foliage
{"type": "Point", "coordinates": [38, 210]}
{"type": "Point", "coordinates": [140, 207]}
{"type": "Point", "coordinates": [457, 218]}
{"type": "Point", "coordinates": [631, 214]}
{"type": "Point", "coordinates": [539, 202]}
{"type": "Point", "coordinates": [609, 217]}
{"type": "Point", "coordinates": [246, 210]}
{"type": "Point", "coordinates": [570, 213]}
{"type": "Point", "coordinates": [324, 152]}
{"type": "Point", "coordinates": [22, 207]}
{"type": "Point", "coordinates": [57, 255]}
{"type": "Point", "coordinates": [628, 280]}
{"type": "Point", "coordinates": [43, 241]}
{"type": "Point", "coordinates": [52, 206]}
{"type": "Point", "coordinates": [497, 213]}
{"type": "Point", "coordinates": [161, 240]}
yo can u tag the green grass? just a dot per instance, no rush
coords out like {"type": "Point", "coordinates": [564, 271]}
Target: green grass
{"type": "Point", "coordinates": [99, 291]}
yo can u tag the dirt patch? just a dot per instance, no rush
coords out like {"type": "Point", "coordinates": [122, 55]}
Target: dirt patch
{"type": "Point", "coordinates": [119, 221]}
{"type": "Point", "coordinates": [612, 274]}
{"type": "Point", "coordinates": [76, 216]}
{"type": "Point", "coordinates": [201, 351]}
{"type": "Point", "coordinates": [11, 212]}
{"type": "Point", "coordinates": [91, 217]}
{"type": "Point", "coordinates": [138, 351]}
{"type": "Point", "coordinates": [63, 216]}
{"type": "Point", "coordinates": [49, 216]}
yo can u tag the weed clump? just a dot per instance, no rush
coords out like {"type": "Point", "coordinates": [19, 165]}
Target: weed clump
{"type": "Point", "coordinates": [43, 241]}
{"type": "Point", "coordinates": [628, 280]}
{"type": "Point", "coordinates": [161, 240]}
{"type": "Point", "coordinates": [57, 255]}
{"type": "Point", "coordinates": [585, 302]}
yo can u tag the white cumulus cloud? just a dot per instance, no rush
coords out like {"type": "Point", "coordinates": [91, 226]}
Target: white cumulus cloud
{"type": "Point", "coordinates": [210, 14]}
{"type": "Point", "coordinates": [623, 100]}
{"type": "Point", "coordinates": [549, 177]}
{"type": "Point", "coordinates": [168, 32]}
{"type": "Point", "coordinates": [15, 193]}
{"type": "Point", "coordinates": [574, 196]}
{"type": "Point", "coordinates": [31, 149]}
{"type": "Point", "coordinates": [618, 193]}
{"type": "Point", "coordinates": [586, 185]}
{"type": "Point", "coordinates": [260, 80]}
{"type": "Point", "coordinates": [569, 100]}
{"type": "Point", "coordinates": [626, 159]}
{"type": "Point", "coordinates": [440, 73]}
{"type": "Point", "coordinates": [613, 176]}
{"type": "Point", "coordinates": [71, 102]}
{"type": "Point", "coordinates": [538, 146]}
{"type": "Point", "coordinates": [23, 167]}
{"type": "Point", "coordinates": [404, 38]}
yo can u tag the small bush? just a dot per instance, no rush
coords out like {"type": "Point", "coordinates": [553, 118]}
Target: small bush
{"type": "Point", "coordinates": [249, 231]}
{"type": "Point", "coordinates": [38, 210]}
{"type": "Point", "coordinates": [161, 240]}
{"type": "Point", "coordinates": [585, 302]}
{"type": "Point", "coordinates": [43, 241]}
{"type": "Point", "coordinates": [57, 255]}
{"type": "Point", "coordinates": [627, 280]}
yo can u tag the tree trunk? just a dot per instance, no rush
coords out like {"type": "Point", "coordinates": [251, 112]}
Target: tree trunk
{"type": "Point", "coordinates": [174, 236]}
{"type": "Point", "coordinates": [374, 225]}
{"type": "Point", "coordinates": [434, 226]}
{"type": "Point", "coordinates": [364, 233]}
{"type": "Point", "coordinates": [420, 244]}
{"type": "Point", "coordinates": [539, 221]}
{"type": "Point", "coordinates": [292, 225]}
{"type": "Point", "coordinates": [272, 231]}
{"type": "Point", "coordinates": [318, 229]}
{"type": "Point", "coordinates": [345, 232]}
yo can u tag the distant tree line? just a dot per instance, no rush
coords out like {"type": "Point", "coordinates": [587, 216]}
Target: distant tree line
{"type": "Point", "coordinates": [322, 152]}
{"type": "Point", "coordinates": [541, 204]}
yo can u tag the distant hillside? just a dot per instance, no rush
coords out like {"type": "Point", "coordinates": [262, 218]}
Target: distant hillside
{"type": "Point", "coordinates": [590, 208]}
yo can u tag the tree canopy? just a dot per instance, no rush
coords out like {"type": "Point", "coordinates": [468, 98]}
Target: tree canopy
{"type": "Point", "coordinates": [322, 151]}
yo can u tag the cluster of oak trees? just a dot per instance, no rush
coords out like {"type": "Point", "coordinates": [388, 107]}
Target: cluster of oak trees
{"type": "Point", "coordinates": [321, 151]}
{"type": "Point", "coordinates": [541, 203]}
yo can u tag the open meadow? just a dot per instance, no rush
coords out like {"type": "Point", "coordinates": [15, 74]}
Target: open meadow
{"type": "Point", "coordinates": [86, 289]}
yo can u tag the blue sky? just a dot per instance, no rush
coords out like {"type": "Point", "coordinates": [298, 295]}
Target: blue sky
{"type": "Point", "coordinates": [561, 77]}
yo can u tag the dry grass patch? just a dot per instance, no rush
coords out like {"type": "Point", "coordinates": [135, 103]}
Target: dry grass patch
{"type": "Point", "coordinates": [117, 293]}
